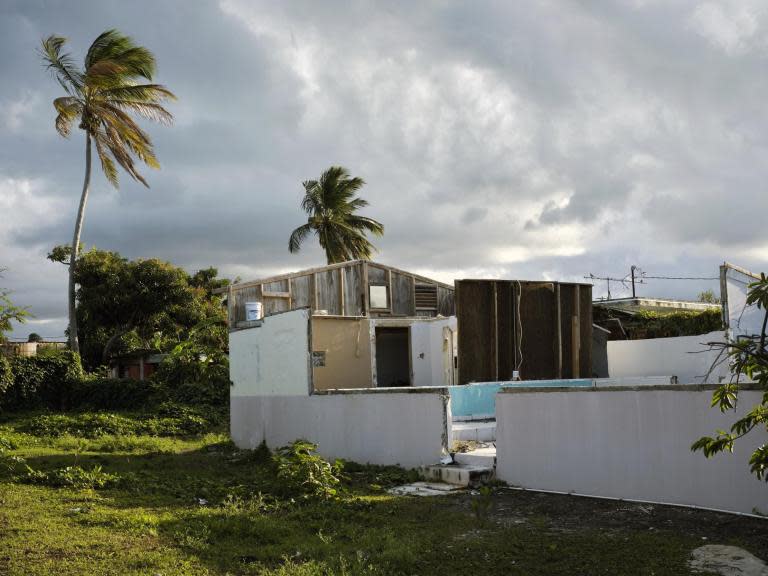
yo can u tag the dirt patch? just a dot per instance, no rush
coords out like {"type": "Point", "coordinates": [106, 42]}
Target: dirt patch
{"type": "Point", "coordinates": [558, 512]}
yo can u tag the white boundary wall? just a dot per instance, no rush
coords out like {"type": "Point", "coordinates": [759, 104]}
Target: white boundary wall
{"type": "Point", "coordinates": [270, 401]}
{"type": "Point", "coordinates": [686, 357]}
{"type": "Point", "coordinates": [628, 443]}
{"type": "Point", "coordinates": [367, 426]}
{"type": "Point", "coordinates": [272, 359]}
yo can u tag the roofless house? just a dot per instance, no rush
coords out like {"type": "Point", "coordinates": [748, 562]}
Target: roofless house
{"type": "Point", "coordinates": [371, 325]}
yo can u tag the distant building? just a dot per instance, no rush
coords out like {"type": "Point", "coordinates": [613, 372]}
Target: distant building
{"type": "Point", "coordinates": [136, 365]}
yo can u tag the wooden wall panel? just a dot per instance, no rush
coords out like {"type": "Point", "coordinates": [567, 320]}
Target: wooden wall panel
{"type": "Point", "coordinates": [353, 290]}
{"type": "Point", "coordinates": [445, 302]}
{"type": "Point", "coordinates": [586, 331]}
{"type": "Point", "coordinates": [489, 332]}
{"type": "Point", "coordinates": [538, 337]}
{"type": "Point", "coordinates": [301, 287]}
{"type": "Point", "coordinates": [477, 334]}
{"type": "Point", "coordinates": [278, 286]}
{"type": "Point", "coordinates": [376, 275]}
{"type": "Point", "coordinates": [567, 311]}
{"type": "Point", "coordinates": [327, 287]}
{"type": "Point", "coordinates": [402, 295]}
{"type": "Point", "coordinates": [275, 305]}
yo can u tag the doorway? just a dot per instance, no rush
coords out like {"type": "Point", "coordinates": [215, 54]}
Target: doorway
{"type": "Point", "coordinates": [393, 357]}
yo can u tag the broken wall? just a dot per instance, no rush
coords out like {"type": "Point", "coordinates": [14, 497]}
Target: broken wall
{"type": "Point", "coordinates": [628, 443]}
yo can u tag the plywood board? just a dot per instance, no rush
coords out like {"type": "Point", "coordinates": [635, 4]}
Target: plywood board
{"type": "Point", "coordinates": [476, 332]}
{"type": "Point", "coordinates": [327, 291]}
{"type": "Point", "coordinates": [376, 275]}
{"type": "Point", "coordinates": [300, 291]}
{"type": "Point", "coordinates": [353, 290]}
{"type": "Point", "coordinates": [402, 295]}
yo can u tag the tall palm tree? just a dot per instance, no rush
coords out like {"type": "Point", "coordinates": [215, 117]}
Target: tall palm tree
{"type": "Point", "coordinates": [114, 84]}
{"type": "Point", "coordinates": [331, 205]}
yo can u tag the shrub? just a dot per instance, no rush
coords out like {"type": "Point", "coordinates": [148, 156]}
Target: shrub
{"type": "Point", "coordinates": [168, 421]}
{"type": "Point", "coordinates": [42, 381]}
{"type": "Point", "coordinates": [71, 477]}
{"type": "Point", "coordinates": [111, 393]}
{"type": "Point", "coordinates": [6, 376]}
{"type": "Point", "coordinates": [304, 473]}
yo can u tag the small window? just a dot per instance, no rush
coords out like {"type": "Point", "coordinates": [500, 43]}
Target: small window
{"type": "Point", "coordinates": [379, 297]}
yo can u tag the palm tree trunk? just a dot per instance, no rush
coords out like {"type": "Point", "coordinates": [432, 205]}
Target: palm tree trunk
{"type": "Point", "coordinates": [74, 345]}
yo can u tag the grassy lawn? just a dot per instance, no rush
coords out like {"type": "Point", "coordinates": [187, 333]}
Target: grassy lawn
{"type": "Point", "coordinates": [195, 504]}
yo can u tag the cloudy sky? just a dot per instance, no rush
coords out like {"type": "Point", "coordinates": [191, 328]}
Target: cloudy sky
{"type": "Point", "coordinates": [522, 140]}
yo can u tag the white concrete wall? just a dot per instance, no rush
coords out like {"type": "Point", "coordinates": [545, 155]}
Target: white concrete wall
{"type": "Point", "coordinates": [367, 426]}
{"type": "Point", "coordinates": [271, 359]}
{"type": "Point", "coordinates": [428, 356]}
{"type": "Point", "coordinates": [686, 357]}
{"type": "Point", "coordinates": [626, 443]}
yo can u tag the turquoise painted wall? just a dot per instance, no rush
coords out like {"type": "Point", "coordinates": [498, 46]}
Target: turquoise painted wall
{"type": "Point", "coordinates": [478, 401]}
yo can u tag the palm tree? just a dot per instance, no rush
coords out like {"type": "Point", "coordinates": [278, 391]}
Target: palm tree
{"type": "Point", "coordinates": [331, 205]}
{"type": "Point", "coordinates": [103, 96]}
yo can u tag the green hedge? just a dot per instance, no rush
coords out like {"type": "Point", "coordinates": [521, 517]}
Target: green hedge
{"type": "Point", "coordinates": [6, 375]}
{"type": "Point", "coordinates": [41, 381]}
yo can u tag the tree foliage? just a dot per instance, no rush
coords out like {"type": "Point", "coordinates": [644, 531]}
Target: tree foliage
{"type": "Point", "coordinates": [9, 312]}
{"type": "Point", "coordinates": [114, 83]}
{"type": "Point", "coordinates": [126, 305]}
{"type": "Point", "coordinates": [749, 361]}
{"type": "Point", "coordinates": [331, 204]}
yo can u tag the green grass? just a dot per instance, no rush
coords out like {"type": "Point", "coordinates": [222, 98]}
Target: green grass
{"type": "Point", "coordinates": [196, 505]}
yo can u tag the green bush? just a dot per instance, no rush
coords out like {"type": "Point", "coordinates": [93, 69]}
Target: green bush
{"type": "Point", "coordinates": [169, 420]}
{"type": "Point", "coordinates": [42, 381]}
{"type": "Point", "coordinates": [306, 474]}
{"type": "Point", "coordinates": [71, 477]}
{"type": "Point", "coordinates": [112, 393]}
{"type": "Point", "coordinates": [6, 376]}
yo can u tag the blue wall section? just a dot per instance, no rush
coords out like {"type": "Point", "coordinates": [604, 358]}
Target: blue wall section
{"type": "Point", "coordinates": [478, 401]}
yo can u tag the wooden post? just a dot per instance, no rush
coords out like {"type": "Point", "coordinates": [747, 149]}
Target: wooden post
{"type": "Point", "coordinates": [341, 291]}
{"type": "Point", "coordinates": [558, 334]}
{"type": "Point", "coordinates": [366, 306]}
{"type": "Point", "coordinates": [576, 333]}
{"type": "Point", "coordinates": [496, 330]}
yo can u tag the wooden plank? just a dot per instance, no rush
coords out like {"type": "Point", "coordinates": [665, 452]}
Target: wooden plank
{"type": "Point", "coordinates": [401, 293]}
{"type": "Point", "coordinates": [366, 293]}
{"type": "Point", "coordinates": [354, 294]}
{"type": "Point", "coordinates": [446, 303]}
{"type": "Point", "coordinates": [300, 291]}
{"type": "Point", "coordinates": [267, 294]}
{"type": "Point", "coordinates": [567, 309]}
{"type": "Point", "coordinates": [505, 333]}
{"type": "Point", "coordinates": [537, 316]}
{"type": "Point", "coordinates": [558, 335]}
{"type": "Point", "coordinates": [275, 305]}
{"type": "Point", "coordinates": [376, 275]}
{"type": "Point", "coordinates": [327, 289]}
{"type": "Point", "coordinates": [576, 334]}
{"type": "Point", "coordinates": [474, 309]}
{"type": "Point", "coordinates": [278, 286]}
{"type": "Point", "coordinates": [585, 349]}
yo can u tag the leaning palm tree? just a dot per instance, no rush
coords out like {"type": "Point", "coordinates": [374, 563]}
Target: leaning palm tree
{"type": "Point", "coordinates": [114, 84]}
{"type": "Point", "coordinates": [331, 205]}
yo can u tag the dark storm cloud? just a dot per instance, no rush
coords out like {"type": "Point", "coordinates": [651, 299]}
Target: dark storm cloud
{"type": "Point", "coordinates": [537, 139]}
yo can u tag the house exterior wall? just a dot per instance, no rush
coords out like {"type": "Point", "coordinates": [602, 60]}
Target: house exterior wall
{"type": "Point", "coordinates": [629, 443]}
{"type": "Point", "coordinates": [273, 358]}
{"type": "Point", "coordinates": [686, 357]}
{"type": "Point", "coordinates": [346, 344]}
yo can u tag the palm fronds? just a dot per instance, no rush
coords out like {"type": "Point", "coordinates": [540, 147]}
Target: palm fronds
{"type": "Point", "coordinates": [115, 83]}
{"type": "Point", "coordinates": [331, 205]}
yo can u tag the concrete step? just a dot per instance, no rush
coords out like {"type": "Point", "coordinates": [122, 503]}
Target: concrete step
{"type": "Point", "coordinates": [456, 474]}
{"type": "Point", "coordinates": [480, 431]}
{"type": "Point", "coordinates": [482, 457]}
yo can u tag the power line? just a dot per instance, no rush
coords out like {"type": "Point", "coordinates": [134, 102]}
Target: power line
{"type": "Point", "coordinates": [682, 277]}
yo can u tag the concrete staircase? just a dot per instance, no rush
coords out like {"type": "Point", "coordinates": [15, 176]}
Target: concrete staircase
{"type": "Point", "coordinates": [467, 469]}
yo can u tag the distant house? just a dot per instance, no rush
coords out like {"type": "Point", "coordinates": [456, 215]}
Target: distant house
{"type": "Point", "coordinates": [30, 348]}
{"type": "Point", "coordinates": [371, 325]}
{"type": "Point", "coordinates": [642, 317]}
{"type": "Point", "coordinates": [136, 365]}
